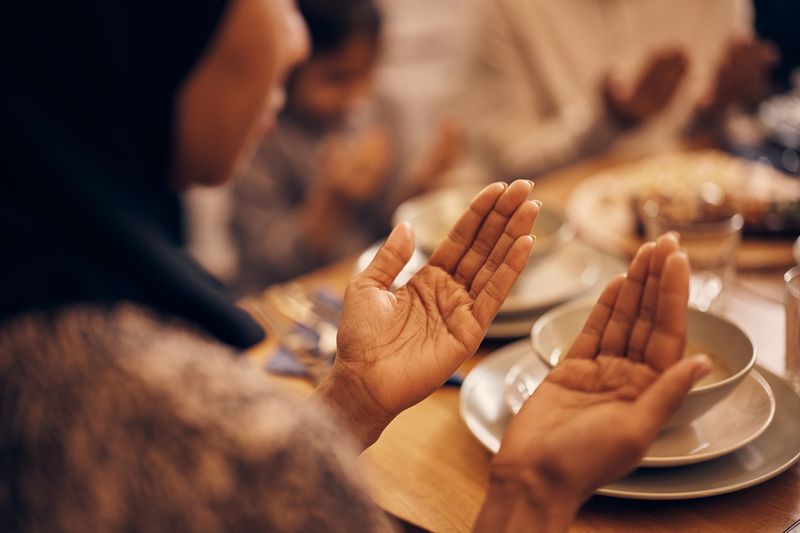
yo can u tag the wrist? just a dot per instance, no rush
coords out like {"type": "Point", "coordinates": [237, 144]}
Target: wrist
{"type": "Point", "coordinates": [347, 396]}
{"type": "Point", "coordinates": [522, 499]}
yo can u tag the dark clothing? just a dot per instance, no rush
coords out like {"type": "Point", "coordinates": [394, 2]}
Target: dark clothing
{"type": "Point", "coordinates": [88, 212]}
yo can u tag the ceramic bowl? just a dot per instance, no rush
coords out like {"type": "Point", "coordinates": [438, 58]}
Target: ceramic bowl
{"type": "Point", "coordinates": [730, 347]}
{"type": "Point", "coordinates": [433, 214]}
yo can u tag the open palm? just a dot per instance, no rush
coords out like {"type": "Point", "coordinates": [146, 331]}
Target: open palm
{"type": "Point", "coordinates": [402, 346]}
{"type": "Point", "coordinates": [592, 419]}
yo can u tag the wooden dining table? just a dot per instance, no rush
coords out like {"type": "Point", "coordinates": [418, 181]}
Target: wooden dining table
{"type": "Point", "coordinates": [428, 470]}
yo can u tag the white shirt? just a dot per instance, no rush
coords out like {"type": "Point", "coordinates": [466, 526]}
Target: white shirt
{"type": "Point", "coordinates": [531, 91]}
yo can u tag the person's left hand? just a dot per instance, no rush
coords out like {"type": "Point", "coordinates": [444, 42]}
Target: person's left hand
{"type": "Point", "coordinates": [394, 349]}
{"type": "Point", "coordinates": [594, 416]}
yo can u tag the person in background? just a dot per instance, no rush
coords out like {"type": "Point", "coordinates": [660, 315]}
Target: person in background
{"type": "Point", "coordinates": [324, 185]}
{"type": "Point", "coordinates": [123, 406]}
{"type": "Point", "coordinates": [548, 83]}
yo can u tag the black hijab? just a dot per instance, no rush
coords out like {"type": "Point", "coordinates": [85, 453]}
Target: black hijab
{"type": "Point", "coordinates": [87, 211]}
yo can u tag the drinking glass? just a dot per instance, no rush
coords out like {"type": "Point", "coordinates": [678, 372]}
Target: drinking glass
{"type": "Point", "coordinates": [792, 279]}
{"type": "Point", "coordinates": [711, 247]}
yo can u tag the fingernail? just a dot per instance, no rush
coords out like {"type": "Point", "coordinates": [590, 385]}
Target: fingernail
{"type": "Point", "coordinates": [533, 244]}
{"type": "Point", "coordinates": [675, 235]}
{"type": "Point", "coordinates": [685, 256]}
{"type": "Point", "coordinates": [531, 182]}
{"type": "Point", "coordinates": [702, 366]}
{"type": "Point", "coordinates": [538, 203]}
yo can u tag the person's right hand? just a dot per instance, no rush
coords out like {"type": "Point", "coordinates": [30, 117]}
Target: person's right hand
{"type": "Point", "coordinates": [654, 89]}
{"type": "Point", "coordinates": [743, 76]}
{"type": "Point", "coordinates": [592, 419]}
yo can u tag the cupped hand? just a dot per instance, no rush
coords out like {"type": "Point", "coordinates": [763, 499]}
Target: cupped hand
{"type": "Point", "coordinates": [593, 418]}
{"type": "Point", "coordinates": [396, 348]}
{"type": "Point", "coordinates": [653, 91]}
{"type": "Point", "coordinates": [743, 76]}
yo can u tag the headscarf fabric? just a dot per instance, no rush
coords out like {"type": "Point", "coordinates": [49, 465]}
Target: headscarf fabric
{"type": "Point", "coordinates": [88, 212]}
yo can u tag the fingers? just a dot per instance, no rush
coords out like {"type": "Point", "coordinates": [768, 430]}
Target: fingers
{"type": "Point", "coordinates": [587, 344]}
{"type": "Point", "coordinates": [665, 73]}
{"type": "Point", "coordinates": [615, 337]}
{"type": "Point", "coordinates": [665, 245]}
{"type": "Point", "coordinates": [520, 224]}
{"type": "Point", "coordinates": [491, 230]}
{"type": "Point", "coordinates": [664, 396]}
{"type": "Point", "coordinates": [494, 292]}
{"type": "Point", "coordinates": [449, 253]}
{"type": "Point", "coordinates": [390, 259]}
{"type": "Point", "coordinates": [668, 338]}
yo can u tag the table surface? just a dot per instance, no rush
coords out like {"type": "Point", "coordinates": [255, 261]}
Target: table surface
{"type": "Point", "coordinates": [429, 470]}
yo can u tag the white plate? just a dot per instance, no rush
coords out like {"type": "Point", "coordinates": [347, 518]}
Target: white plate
{"type": "Point", "coordinates": [562, 275]}
{"type": "Point", "coordinates": [571, 271]}
{"type": "Point", "coordinates": [515, 325]}
{"type": "Point", "coordinates": [434, 213]}
{"type": "Point", "coordinates": [417, 261]}
{"type": "Point", "coordinates": [733, 423]}
{"type": "Point", "coordinates": [512, 327]}
{"type": "Point", "coordinates": [600, 209]}
{"type": "Point", "coordinates": [483, 409]}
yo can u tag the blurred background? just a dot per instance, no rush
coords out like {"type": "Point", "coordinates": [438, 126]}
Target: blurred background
{"type": "Point", "coordinates": [405, 104]}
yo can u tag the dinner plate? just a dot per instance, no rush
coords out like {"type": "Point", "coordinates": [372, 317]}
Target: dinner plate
{"type": "Point", "coordinates": [512, 326]}
{"type": "Point", "coordinates": [600, 209]}
{"type": "Point", "coordinates": [417, 261]}
{"type": "Point", "coordinates": [733, 423]}
{"type": "Point", "coordinates": [434, 213]}
{"type": "Point", "coordinates": [484, 411]}
{"type": "Point", "coordinates": [575, 269]}
{"type": "Point", "coordinates": [508, 325]}
{"type": "Point", "coordinates": [564, 274]}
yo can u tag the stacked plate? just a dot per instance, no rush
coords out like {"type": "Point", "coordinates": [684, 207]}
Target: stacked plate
{"type": "Point", "coordinates": [748, 437]}
{"type": "Point", "coordinates": [561, 268]}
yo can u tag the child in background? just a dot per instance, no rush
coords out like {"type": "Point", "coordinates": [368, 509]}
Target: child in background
{"type": "Point", "coordinates": [324, 185]}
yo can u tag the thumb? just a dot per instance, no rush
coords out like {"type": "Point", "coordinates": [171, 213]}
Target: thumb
{"type": "Point", "coordinates": [391, 258]}
{"type": "Point", "coordinates": [665, 395]}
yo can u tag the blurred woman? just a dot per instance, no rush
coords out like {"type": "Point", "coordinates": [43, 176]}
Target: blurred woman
{"type": "Point", "coordinates": [122, 406]}
{"type": "Point", "coordinates": [324, 184]}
